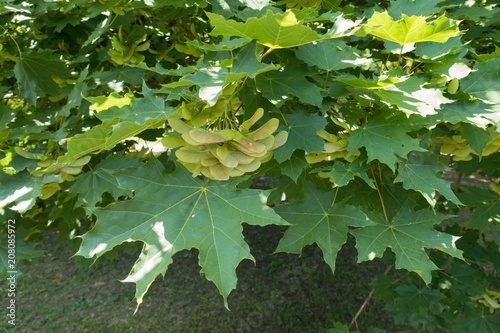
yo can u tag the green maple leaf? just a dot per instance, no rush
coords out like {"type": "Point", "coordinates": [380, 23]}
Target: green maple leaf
{"type": "Point", "coordinates": [417, 304]}
{"type": "Point", "coordinates": [484, 81]}
{"type": "Point", "coordinates": [172, 212]}
{"type": "Point", "coordinates": [477, 113]}
{"type": "Point", "coordinates": [413, 8]}
{"type": "Point", "coordinates": [477, 137]}
{"type": "Point", "coordinates": [433, 51]}
{"type": "Point", "coordinates": [330, 55]}
{"type": "Point", "coordinates": [210, 80]}
{"type": "Point", "coordinates": [114, 79]}
{"type": "Point", "coordinates": [343, 173]}
{"type": "Point", "coordinates": [487, 205]}
{"type": "Point", "coordinates": [272, 30]}
{"type": "Point", "coordinates": [294, 166]}
{"type": "Point", "coordinates": [246, 62]}
{"type": "Point", "coordinates": [411, 97]}
{"type": "Point", "coordinates": [408, 234]}
{"type": "Point", "coordinates": [126, 129]}
{"type": "Point", "coordinates": [480, 323]}
{"type": "Point", "coordinates": [385, 138]}
{"type": "Point", "coordinates": [301, 129]}
{"type": "Point", "coordinates": [107, 135]}
{"type": "Point", "coordinates": [315, 220]}
{"type": "Point", "coordinates": [419, 173]}
{"type": "Point", "coordinates": [90, 186]}
{"type": "Point", "coordinates": [410, 29]}
{"type": "Point", "coordinates": [368, 84]}
{"type": "Point", "coordinates": [278, 85]}
{"type": "Point", "coordinates": [94, 140]}
{"type": "Point", "coordinates": [34, 73]}
{"type": "Point", "coordinates": [24, 251]}
{"type": "Point", "coordinates": [22, 189]}
{"type": "Point", "coordinates": [292, 190]}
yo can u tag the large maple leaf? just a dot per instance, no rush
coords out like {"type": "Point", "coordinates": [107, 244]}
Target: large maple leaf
{"type": "Point", "coordinates": [385, 138]}
{"type": "Point", "coordinates": [408, 234]}
{"type": "Point", "coordinates": [272, 30]}
{"type": "Point", "coordinates": [420, 173]}
{"type": "Point", "coordinates": [316, 220]}
{"type": "Point", "coordinates": [172, 212]}
{"type": "Point", "coordinates": [409, 30]}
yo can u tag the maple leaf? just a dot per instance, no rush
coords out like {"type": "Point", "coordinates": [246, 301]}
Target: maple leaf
{"type": "Point", "coordinates": [301, 129]}
{"type": "Point", "coordinates": [22, 189]}
{"type": "Point", "coordinates": [278, 85]}
{"type": "Point", "coordinates": [343, 173]}
{"type": "Point", "coordinates": [172, 212]}
{"type": "Point", "coordinates": [385, 138]}
{"type": "Point", "coordinates": [316, 220]}
{"type": "Point", "coordinates": [408, 234]}
{"type": "Point", "coordinates": [487, 205]}
{"type": "Point", "coordinates": [272, 30]}
{"type": "Point", "coordinates": [409, 30]}
{"type": "Point", "coordinates": [330, 55]}
{"type": "Point", "coordinates": [90, 186]}
{"type": "Point", "coordinates": [419, 173]}
{"type": "Point", "coordinates": [136, 110]}
{"type": "Point", "coordinates": [246, 62]}
{"type": "Point", "coordinates": [484, 81]}
{"type": "Point", "coordinates": [294, 166]}
{"type": "Point", "coordinates": [413, 8]}
{"type": "Point", "coordinates": [24, 250]}
{"type": "Point", "coordinates": [34, 72]}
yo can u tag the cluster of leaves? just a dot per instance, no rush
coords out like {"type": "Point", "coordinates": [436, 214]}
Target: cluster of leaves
{"type": "Point", "coordinates": [376, 102]}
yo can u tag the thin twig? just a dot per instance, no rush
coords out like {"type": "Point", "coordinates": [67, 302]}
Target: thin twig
{"type": "Point", "coordinates": [380, 195]}
{"type": "Point", "coordinates": [182, 28]}
{"type": "Point", "coordinates": [326, 80]}
{"type": "Point", "coordinates": [457, 184]}
{"type": "Point", "coordinates": [370, 295]}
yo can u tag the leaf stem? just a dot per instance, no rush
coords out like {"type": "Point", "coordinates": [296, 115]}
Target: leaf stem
{"type": "Point", "coordinates": [400, 54]}
{"type": "Point", "coordinates": [266, 53]}
{"type": "Point", "coordinates": [326, 80]}
{"type": "Point", "coordinates": [335, 197]}
{"type": "Point", "coordinates": [17, 45]}
{"type": "Point", "coordinates": [380, 195]}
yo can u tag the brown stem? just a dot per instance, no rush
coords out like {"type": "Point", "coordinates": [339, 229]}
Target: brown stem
{"type": "Point", "coordinates": [457, 184]}
{"type": "Point", "coordinates": [370, 295]}
{"type": "Point", "coordinates": [188, 33]}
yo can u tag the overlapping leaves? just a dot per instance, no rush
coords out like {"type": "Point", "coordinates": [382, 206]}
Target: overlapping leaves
{"type": "Point", "coordinates": [172, 212]}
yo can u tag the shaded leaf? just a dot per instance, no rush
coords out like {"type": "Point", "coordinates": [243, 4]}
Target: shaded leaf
{"type": "Point", "coordinates": [484, 81]}
{"type": "Point", "coordinates": [172, 212]}
{"type": "Point", "coordinates": [343, 173]}
{"type": "Point", "coordinates": [278, 86]}
{"type": "Point", "coordinates": [294, 166]}
{"type": "Point", "coordinates": [34, 73]}
{"type": "Point", "coordinates": [22, 189]}
{"type": "Point", "coordinates": [408, 234]}
{"type": "Point", "coordinates": [420, 173]}
{"type": "Point", "coordinates": [315, 220]}
{"type": "Point", "coordinates": [301, 129]}
{"type": "Point", "coordinates": [246, 62]}
{"type": "Point", "coordinates": [385, 138]}
{"type": "Point", "coordinates": [330, 55]}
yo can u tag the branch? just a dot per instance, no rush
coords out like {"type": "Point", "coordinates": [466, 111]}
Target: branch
{"type": "Point", "coordinates": [188, 33]}
{"type": "Point", "coordinates": [363, 306]}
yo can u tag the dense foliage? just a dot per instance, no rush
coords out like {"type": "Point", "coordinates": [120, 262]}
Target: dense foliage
{"type": "Point", "coordinates": [146, 121]}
